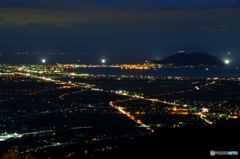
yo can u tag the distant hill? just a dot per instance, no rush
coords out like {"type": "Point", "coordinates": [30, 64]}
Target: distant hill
{"type": "Point", "coordinates": [183, 59]}
{"type": "Point", "coordinates": [186, 142]}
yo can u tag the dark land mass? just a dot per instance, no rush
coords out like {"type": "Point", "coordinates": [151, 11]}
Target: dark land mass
{"type": "Point", "coordinates": [185, 142]}
{"type": "Point", "coordinates": [183, 59]}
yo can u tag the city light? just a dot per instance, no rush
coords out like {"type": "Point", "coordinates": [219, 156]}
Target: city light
{"type": "Point", "coordinates": [43, 60]}
{"type": "Point", "coordinates": [204, 110]}
{"type": "Point", "coordinates": [103, 61]}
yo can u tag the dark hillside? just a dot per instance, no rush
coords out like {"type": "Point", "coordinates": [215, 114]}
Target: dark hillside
{"type": "Point", "coordinates": [188, 142]}
{"type": "Point", "coordinates": [182, 59]}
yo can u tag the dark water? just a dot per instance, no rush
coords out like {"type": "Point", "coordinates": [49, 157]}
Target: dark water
{"type": "Point", "coordinates": [221, 72]}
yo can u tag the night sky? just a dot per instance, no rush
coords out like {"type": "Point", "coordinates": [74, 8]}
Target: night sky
{"type": "Point", "coordinates": [120, 31]}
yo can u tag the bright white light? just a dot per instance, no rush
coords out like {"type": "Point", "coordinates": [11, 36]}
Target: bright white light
{"type": "Point", "coordinates": [103, 61]}
{"type": "Point", "coordinates": [226, 61]}
{"type": "Point", "coordinates": [43, 60]}
{"type": "Point", "coordinates": [204, 110]}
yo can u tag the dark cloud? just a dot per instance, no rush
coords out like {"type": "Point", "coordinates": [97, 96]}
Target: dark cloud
{"type": "Point", "coordinates": [69, 4]}
{"type": "Point", "coordinates": [25, 16]}
{"type": "Point", "coordinates": [215, 27]}
{"type": "Point", "coordinates": [1, 21]}
{"type": "Point", "coordinates": [121, 4]}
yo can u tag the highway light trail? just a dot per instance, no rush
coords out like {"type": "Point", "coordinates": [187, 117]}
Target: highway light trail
{"type": "Point", "coordinates": [131, 116]}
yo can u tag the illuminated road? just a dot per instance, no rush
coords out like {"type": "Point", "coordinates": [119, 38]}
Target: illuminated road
{"type": "Point", "coordinates": [131, 116]}
{"type": "Point", "coordinates": [121, 109]}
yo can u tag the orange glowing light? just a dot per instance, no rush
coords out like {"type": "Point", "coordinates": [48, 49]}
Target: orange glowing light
{"type": "Point", "coordinates": [233, 117]}
{"type": "Point", "coordinates": [95, 139]}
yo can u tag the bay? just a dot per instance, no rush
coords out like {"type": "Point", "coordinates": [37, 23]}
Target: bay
{"type": "Point", "coordinates": [220, 72]}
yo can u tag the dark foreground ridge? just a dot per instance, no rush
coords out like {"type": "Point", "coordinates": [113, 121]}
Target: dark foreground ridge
{"type": "Point", "coordinates": [185, 142]}
{"type": "Point", "coordinates": [183, 59]}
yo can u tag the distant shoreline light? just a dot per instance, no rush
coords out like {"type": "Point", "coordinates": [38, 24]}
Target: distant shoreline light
{"type": "Point", "coordinates": [226, 61]}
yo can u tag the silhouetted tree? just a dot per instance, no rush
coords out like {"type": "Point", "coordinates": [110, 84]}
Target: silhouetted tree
{"type": "Point", "coordinates": [14, 154]}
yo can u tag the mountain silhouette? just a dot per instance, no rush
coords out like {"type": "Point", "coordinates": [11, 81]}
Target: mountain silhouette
{"type": "Point", "coordinates": [183, 59]}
